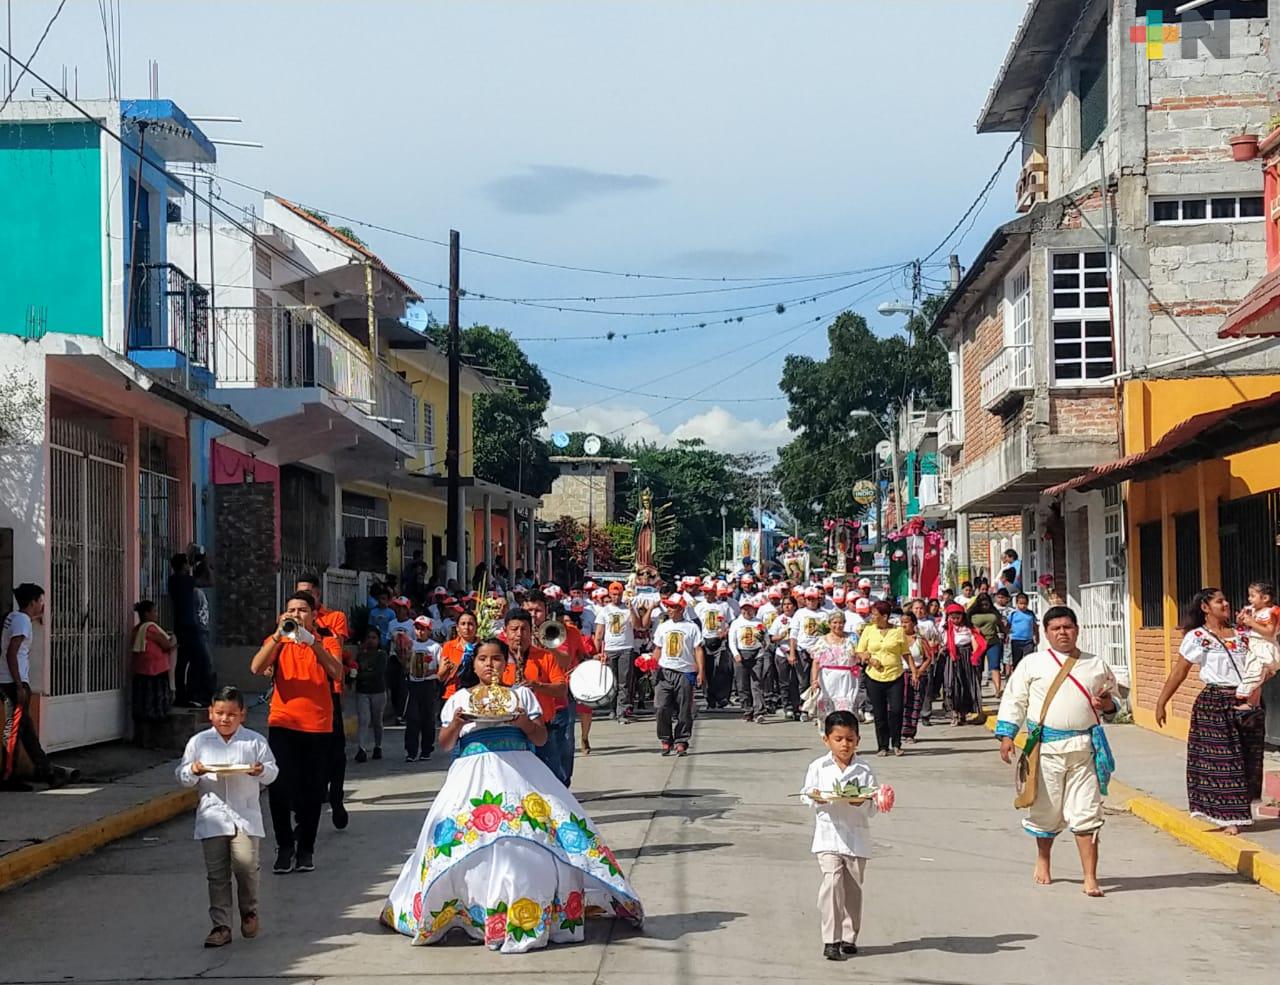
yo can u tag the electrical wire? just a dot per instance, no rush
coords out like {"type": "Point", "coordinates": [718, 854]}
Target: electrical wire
{"type": "Point", "coordinates": [35, 51]}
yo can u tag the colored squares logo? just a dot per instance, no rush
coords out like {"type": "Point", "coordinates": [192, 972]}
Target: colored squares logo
{"type": "Point", "coordinates": [1154, 33]}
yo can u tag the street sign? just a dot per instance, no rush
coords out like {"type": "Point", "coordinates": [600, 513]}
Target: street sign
{"type": "Point", "coordinates": [864, 492]}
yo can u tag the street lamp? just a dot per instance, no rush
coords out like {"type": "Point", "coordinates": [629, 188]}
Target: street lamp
{"type": "Point", "coordinates": [889, 308]}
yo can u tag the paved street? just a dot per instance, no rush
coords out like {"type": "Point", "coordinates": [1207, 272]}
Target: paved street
{"type": "Point", "coordinates": [719, 853]}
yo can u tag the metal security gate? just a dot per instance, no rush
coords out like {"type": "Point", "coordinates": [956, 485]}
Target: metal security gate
{"type": "Point", "coordinates": [159, 516]}
{"type": "Point", "coordinates": [87, 603]}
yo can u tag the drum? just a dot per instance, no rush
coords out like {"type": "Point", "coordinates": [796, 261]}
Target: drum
{"type": "Point", "coordinates": [592, 684]}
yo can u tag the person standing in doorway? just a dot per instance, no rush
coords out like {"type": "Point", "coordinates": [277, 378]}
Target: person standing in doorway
{"type": "Point", "coordinates": [192, 673]}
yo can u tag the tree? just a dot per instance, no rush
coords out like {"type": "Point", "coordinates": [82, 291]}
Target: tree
{"type": "Point", "coordinates": [862, 371]}
{"type": "Point", "coordinates": [697, 481]}
{"type": "Point", "coordinates": [503, 419]}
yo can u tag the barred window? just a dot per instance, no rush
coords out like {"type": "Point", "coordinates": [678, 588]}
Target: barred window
{"type": "Point", "coordinates": [1151, 574]}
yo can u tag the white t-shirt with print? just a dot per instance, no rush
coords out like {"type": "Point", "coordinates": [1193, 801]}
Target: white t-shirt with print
{"type": "Point", "coordinates": [16, 624]}
{"type": "Point", "coordinates": [676, 641]}
{"type": "Point", "coordinates": [619, 627]}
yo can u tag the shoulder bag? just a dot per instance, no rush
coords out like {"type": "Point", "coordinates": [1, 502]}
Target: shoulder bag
{"type": "Point", "coordinates": [1027, 771]}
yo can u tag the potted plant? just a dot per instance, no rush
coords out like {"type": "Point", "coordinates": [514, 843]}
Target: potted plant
{"type": "Point", "coordinates": [1244, 146]}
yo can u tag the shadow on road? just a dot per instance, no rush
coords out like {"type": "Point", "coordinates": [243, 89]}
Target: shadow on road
{"type": "Point", "coordinates": [953, 945]}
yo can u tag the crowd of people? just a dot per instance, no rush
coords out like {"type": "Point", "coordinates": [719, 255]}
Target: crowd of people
{"type": "Point", "coordinates": [769, 649]}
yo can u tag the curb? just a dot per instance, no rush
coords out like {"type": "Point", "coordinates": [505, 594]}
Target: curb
{"type": "Point", "coordinates": [1244, 857]}
{"type": "Point", "coordinates": [27, 863]}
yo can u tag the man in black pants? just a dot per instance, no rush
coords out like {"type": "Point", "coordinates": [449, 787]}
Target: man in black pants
{"type": "Point", "coordinates": [305, 660]}
{"type": "Point", "coordinates": [335, 622]}
{"type": "Point", "coordinates": [677, 646]}
{"type": "Point", "coordinates": [193, 671]}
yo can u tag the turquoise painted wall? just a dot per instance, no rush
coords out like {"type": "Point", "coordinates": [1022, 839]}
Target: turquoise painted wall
{"type": "Point", "coordinates": [51, 226]}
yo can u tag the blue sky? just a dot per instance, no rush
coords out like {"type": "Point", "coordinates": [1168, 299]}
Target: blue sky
{"type": "Point", "coordinates": [730, 139]}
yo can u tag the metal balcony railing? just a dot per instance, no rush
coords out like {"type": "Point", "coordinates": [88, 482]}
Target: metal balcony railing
{"type": "Point", "coordinates": [168, 310]}
{"type": "Point", "coordinates": [1008, 374]}
{"type": "Point", "coordinates": [395, 404]}
{"type": "Point", "coordinates": [951, 430]}
{"type": "Point", "coordinates": [291, 346]}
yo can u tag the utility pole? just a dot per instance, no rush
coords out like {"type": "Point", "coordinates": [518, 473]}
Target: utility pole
{"type": "Point", "coordinates": [453, 527]}
{"type": "Point", "coordinates": [591, 520]}
{"type": "Point", "coordinates": [953, 263]}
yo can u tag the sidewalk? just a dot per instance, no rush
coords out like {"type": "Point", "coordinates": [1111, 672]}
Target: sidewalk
{"type": "Point", "coordinates": [124, 790]}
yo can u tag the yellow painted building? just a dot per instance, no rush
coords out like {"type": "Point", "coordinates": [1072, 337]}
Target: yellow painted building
{"type": "Point", "coordinates": [1212, 521]}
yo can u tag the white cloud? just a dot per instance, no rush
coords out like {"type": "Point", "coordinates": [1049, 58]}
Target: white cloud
{"type": "Point", "coordinates": [719, 428]}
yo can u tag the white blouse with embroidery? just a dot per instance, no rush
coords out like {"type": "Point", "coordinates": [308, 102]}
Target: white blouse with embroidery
{"type": "Point", "coordinates": [1214, 656]}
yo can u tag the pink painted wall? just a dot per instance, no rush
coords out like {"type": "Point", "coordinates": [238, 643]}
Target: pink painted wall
{"type": "Point", "coordinates": [227, 466]}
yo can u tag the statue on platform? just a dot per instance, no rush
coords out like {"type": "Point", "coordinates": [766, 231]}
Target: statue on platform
{"type": "Point", "coordinates": [644, 531]}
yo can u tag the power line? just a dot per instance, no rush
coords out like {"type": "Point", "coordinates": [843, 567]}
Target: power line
{"type": "Point", "coordinates": [663, 396]}
{"type": "Point", "coordinates": [13, 87]}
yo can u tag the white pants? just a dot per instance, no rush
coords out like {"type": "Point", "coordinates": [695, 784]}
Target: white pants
{"type": "Point", "coordinates": [840, 897]}
{"type": "Point", "coordinates": [1067, 795]}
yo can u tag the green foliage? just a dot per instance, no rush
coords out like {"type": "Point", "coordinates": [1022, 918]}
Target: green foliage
{"type": "Point", "coordinates": [501, 419]}
{"type": "Point", "coordinates": [346, 231]}
{"type": "Point", "coordinates": [622, 538]}
{"type": "Point", "coordinates": [862, 371]}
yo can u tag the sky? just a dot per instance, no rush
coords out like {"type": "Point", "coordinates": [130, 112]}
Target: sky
{"type": "Point", "coordinates": [683, 139]}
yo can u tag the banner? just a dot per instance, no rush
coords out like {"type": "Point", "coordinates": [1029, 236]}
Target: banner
{"type": "Point", "coordinates": [746, 543]}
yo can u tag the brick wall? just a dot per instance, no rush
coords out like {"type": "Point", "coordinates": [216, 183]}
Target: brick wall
{"type": "Point", "coordinates": [572, 492]}
{"type": "Point", "coordinates": [1148, 666]}
{"type": "Point", "coordinates": [983, 531]}
{"type": "Point", "coordinates": [1090, 414]}
{"type": "Point", "coordinates": [982, 431]}
{"type": "Point", "coordinates": [244, 562]}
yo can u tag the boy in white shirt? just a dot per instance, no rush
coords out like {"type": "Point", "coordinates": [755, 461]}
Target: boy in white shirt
{"type": "Point", "coordinates": [422, 683]}
{"type": "Point", "coordinates": [841, 836]}
{"type": "Point", "coordinates": [229, 764]}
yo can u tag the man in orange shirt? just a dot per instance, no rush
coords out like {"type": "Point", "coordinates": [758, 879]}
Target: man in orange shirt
{"type": "Point", "coordinates": [568, 655]}
{"type": "Point", "coordinates": [540, 672]}
{"type": "Point", "coordinates": [336, 623]}
{"type": "Point", "coordinates": [304, 661]}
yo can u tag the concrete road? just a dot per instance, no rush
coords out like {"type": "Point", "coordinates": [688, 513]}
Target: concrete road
{"type": "Point", "coordinates": [720, 854]}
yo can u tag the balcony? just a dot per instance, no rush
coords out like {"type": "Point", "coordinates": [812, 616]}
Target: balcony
{"type": "Point", "coordinates": [1006, 377]}
{"type": "Point", "coordinates": [1033, 183]}
{"type": "Point", "coordinates": [291, 346]}
{"type": "Point", "coordinates": [950, 430]}
{"type": "Point", "coordinates": [396, 406]}
{"type": "Point", "coordinates": [168, 315]}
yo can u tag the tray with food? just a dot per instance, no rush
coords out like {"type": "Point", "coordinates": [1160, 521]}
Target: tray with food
{"type": "Point", "coordinates": [228, 767]}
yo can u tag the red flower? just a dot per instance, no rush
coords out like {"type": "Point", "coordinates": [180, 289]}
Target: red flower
{"type": "Point", "coordinates": [417, 907]}
{"type": "Point", "coordinates": [573, 906]}
{"type": "Point", "coordinates": [487, 817]}
{"type": "Point", "coordinates": [495, 927]}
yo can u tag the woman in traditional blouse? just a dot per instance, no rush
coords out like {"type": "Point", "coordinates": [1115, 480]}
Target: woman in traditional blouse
{"type": "Point", "coordinates": [883, 648]}
{"type": "Point", "coordinates": [1224, 753]}
{"type": "Point", "coordinates": [835, 669]}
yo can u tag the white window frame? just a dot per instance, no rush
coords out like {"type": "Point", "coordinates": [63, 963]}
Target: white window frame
{"type": "Point", "coordinates": [1017, 323]}
{"type": "Point", "coordinates": [1080, 314]}
{"type": "Point", "coordinates": [1208, 199]}
{"type": "Point", "coordinates": [428, 424]}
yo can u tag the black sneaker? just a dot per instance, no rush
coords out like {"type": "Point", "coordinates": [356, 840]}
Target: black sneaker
{"type": "Point", "coordinates": [361, 756]}
{"type": "Point", "coordinates": [832, 952]}
{"type": "Point", "coordinates": [682, 749]}
{"type": "Point", "coordinates": [848, 948]}
{"type": "Point", "coordinates": [666, 748]}
{"type": "Point", "coordinates": [377, 752]}
{"type": "Point", "coordinates": [340, 817]}
{"type": "Point", "coordinates": [306, 862]}
{"type": "Point", "coordinates": [284, 861]}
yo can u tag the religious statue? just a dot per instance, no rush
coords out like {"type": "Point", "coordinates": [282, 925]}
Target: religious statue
{"type": "Point", "coordinates": [644, 530]}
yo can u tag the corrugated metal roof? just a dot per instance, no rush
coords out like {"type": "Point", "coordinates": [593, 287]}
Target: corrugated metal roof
{"type": "Point", "coordinates": [1260, 302]}
{"type": "Point", "coordinates": [1210, 435]}
{"type": "Point", "coordinates": [364, 251]}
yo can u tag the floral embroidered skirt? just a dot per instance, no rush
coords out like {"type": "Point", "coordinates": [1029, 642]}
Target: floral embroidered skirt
{"type": "Point", "coordinates": [508, 855]}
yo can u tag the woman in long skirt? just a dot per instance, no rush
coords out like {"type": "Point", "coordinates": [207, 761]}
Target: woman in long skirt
{"type": "Point", "coordinates": [1224, 751]}
{"type": "Point", "coordinates": [506, 853]}
{"type": "Point", "coordinates": [835, 669]}
{"type": "Point", "coordinates": [963, 657]}
{"type": "Point", "coordinates": [916, 673]}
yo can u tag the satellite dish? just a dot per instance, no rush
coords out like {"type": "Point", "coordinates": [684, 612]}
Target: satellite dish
{"type": "Point", "coordinates": [592, 445]}
{"type": "Point", "coordinates": [884, 449]}
{"type": "Point", "coordinates": [560, 439]}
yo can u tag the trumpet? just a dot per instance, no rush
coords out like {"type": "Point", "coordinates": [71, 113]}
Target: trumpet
{"type": "Point", "coordinates": [550, 635]}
